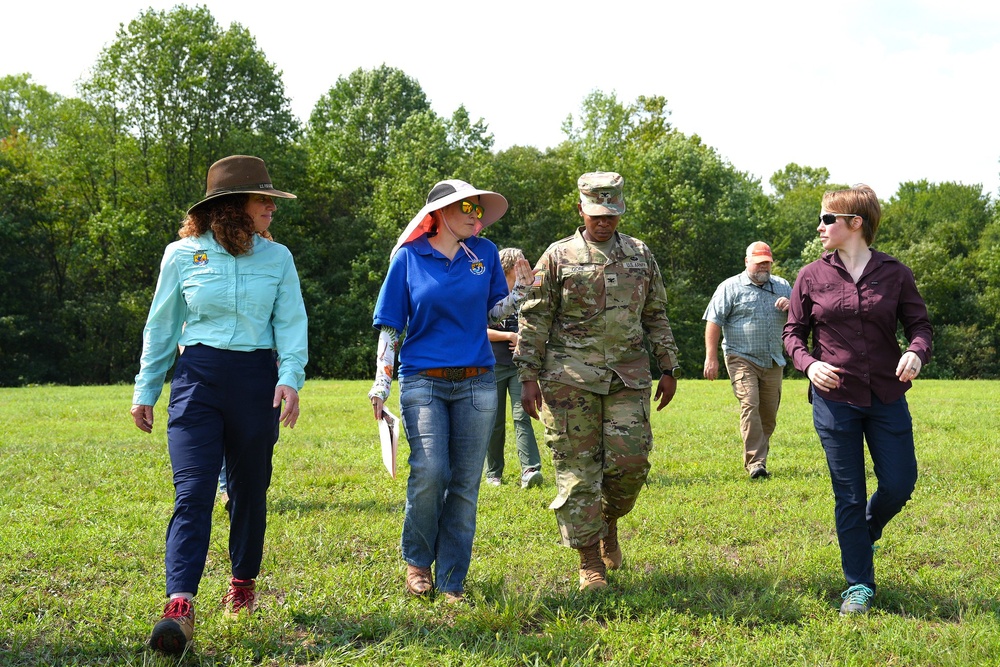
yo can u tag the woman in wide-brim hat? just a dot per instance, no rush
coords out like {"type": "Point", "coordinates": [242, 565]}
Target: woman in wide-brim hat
{"type": "Point", "coordinates": [230, 297]}
{"type": "Point", "coordinates": [443, 286]}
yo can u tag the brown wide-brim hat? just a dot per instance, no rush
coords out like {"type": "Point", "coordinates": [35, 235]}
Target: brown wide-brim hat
{"type": "Point", "coordinates": [238, 174]}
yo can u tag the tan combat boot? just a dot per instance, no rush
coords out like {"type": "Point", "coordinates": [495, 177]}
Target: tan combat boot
{"type": "Point", "coordinates": [611, 552]}
{"type": "Point", "coordinates": [593, 575]}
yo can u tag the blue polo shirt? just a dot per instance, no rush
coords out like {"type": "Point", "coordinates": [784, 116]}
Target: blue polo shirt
{"type": "Point", "coordinates": [442, 304]}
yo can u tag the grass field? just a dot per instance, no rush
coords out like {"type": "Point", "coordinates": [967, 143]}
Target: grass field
{"type": "Point", "coordinates": [718, 570]}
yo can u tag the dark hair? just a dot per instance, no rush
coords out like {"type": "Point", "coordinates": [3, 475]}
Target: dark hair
{"type": "Point", "coordinates": [226, 216]}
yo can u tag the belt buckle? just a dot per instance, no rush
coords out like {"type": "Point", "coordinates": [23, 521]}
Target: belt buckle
{"type": "Point", "coordinates": [454, 374]}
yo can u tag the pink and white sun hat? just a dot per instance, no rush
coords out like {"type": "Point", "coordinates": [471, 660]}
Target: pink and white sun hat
{"type": "Point", "coordinates": [447, 192]}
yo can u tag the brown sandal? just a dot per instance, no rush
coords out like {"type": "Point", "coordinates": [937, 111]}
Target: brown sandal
{"type": "Point", "coordinates": [418, 579]}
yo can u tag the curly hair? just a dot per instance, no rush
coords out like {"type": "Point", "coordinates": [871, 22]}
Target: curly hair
{"type": "Point", "coordinates": [509, 257]}
{"type": "Point", "coordinates": [226, 216]}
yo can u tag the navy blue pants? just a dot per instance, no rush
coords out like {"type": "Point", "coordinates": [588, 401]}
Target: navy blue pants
{"type": "Point", "coordinates": [843, 430]}
{"type": "Point", "coordinates": [220, 407]}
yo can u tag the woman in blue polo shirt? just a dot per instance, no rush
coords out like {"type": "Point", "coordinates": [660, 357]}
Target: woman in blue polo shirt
{"type": "Point", "coordinates": [444, 284]}
{"type": "Point", "coordinates": [229, 295]}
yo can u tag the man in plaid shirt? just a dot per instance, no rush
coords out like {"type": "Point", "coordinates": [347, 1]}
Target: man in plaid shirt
{"type": "Point", "coordinates": [748, 312]}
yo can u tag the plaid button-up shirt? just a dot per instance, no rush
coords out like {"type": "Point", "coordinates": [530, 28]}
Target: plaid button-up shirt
{"type": "Point", "coordinates": [751, 324]}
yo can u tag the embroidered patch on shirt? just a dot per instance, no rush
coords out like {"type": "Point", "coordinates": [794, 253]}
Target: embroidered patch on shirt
{"type": "Point", "coordinates": [200, 258]}
{"type": "Point", "coordinates": [611, 279]}
{"type": "Point", "coordinates": [635, 265]}
{"type": "Point", "coordinates": [576, 269]}
{"type": "Point", "coordinates": [537, 282]}
{"type": "Point", "coordinates": [478, 268]}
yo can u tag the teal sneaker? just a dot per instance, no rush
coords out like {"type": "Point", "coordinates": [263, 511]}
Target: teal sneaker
{"type": "Point", "coordinates": [857, 598]}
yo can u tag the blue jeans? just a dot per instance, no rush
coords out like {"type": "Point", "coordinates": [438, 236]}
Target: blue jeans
{"type": "Point", "coordinates": [447, 425]}
{"type": "Point", "coordinates": [888, 430]}
{"type": "Point", "coordinates": [524, 436]}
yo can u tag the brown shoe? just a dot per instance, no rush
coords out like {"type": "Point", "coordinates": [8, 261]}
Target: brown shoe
{"type": "Point", "coordinates": [593, 574]}
{"type": "Point", "coordinates": [611, 552]}
{"type": "Point", "coordinates": [241, 597]}
{"type": "Point", "coordinates": [454, 597]}
{"type": "Point", "coordinates": [418, 579]}
{"type": "Point", "coordinates": [172, 633]}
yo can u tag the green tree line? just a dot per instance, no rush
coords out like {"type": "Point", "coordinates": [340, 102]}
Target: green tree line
{"type": "Point", "coordinates": [93, 187]}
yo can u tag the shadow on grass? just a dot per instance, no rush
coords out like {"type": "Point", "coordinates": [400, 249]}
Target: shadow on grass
{"type": "Point", "coordinates": [293, 505]}
{"type": "Point", "coordinates": [500, 622]}
{"type": "Point", "coordinates": [569, 626]}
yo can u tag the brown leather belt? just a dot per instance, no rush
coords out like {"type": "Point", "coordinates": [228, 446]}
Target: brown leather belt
{"type": "Point", "coordinates": [456, 374]}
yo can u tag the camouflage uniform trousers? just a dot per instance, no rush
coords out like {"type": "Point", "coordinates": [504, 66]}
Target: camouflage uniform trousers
{"type": "Point", "coordinates": [600, 452]}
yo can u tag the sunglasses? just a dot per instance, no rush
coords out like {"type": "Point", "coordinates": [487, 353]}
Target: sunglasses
{"type": "Point", "coordinates": [830, 218]}
{"type": "Point", "coordinates": [469, 207]}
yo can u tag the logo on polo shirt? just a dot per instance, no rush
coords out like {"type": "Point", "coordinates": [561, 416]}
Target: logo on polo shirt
{"type": "Point", "coordinates": [478, 268]}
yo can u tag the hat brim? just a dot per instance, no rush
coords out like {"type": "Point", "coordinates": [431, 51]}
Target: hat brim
{"type": "Point", "coordinates": [494, 206]}
{"type": "Point", "coordinates": [239, 191]}
{"type": "Point", "coordinates": [597, 209]}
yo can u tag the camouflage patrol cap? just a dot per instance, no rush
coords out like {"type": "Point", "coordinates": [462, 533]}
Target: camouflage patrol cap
{"type": "Point", "coordinates": [601, 193]}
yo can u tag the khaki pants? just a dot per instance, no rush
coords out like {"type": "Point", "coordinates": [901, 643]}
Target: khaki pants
{"type": "Point", "coordinates": [758, 390]}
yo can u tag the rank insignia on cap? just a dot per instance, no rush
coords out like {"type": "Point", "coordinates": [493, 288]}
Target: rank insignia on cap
{"type": "Point", "coordinates": [200, 258]}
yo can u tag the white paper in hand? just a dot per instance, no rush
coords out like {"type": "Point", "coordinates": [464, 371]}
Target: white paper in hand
{"type": "Point", "coordinates": [388, 429]}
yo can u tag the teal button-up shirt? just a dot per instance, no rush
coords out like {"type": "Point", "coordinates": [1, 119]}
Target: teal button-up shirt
{"type": "Point", "coordinates": [205, 295]}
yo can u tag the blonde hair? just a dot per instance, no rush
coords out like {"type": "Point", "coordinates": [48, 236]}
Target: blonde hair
{"type": "Point", "coordinates": [508, 257]}
{"type": "Point", "coordinates": [859, 200]}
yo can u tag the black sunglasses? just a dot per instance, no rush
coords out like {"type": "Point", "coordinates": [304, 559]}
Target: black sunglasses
{"type": "Point", "coordinates": [830, 218]}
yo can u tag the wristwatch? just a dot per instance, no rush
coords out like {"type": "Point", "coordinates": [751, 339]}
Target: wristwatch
{"type": "Point", "coordinates": [672, 372]}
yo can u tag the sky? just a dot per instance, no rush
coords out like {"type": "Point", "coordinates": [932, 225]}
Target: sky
{"type": "Point", "coordinates": [879, 92]}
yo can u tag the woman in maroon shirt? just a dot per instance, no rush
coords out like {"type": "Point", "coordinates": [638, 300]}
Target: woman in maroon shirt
{"type": "Point", "coordinates": [851, 301]}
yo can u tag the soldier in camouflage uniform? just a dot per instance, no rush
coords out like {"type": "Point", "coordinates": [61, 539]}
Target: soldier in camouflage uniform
{"type": "Point", "coordinates": [583, 365]}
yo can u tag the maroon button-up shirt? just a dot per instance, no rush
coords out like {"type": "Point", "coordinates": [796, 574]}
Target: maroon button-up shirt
{"type": "Point", "coordinates": [853, 326]}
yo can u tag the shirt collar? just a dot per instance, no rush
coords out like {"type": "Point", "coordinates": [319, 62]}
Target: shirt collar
{"type": "Point", "coordinates": [622, 244]}
{"type": "Point", "coordinates": [422, 245]}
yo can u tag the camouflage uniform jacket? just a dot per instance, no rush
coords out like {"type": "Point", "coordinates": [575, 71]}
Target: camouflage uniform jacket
{"type": "Point", "coordinates": [583, 321]}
